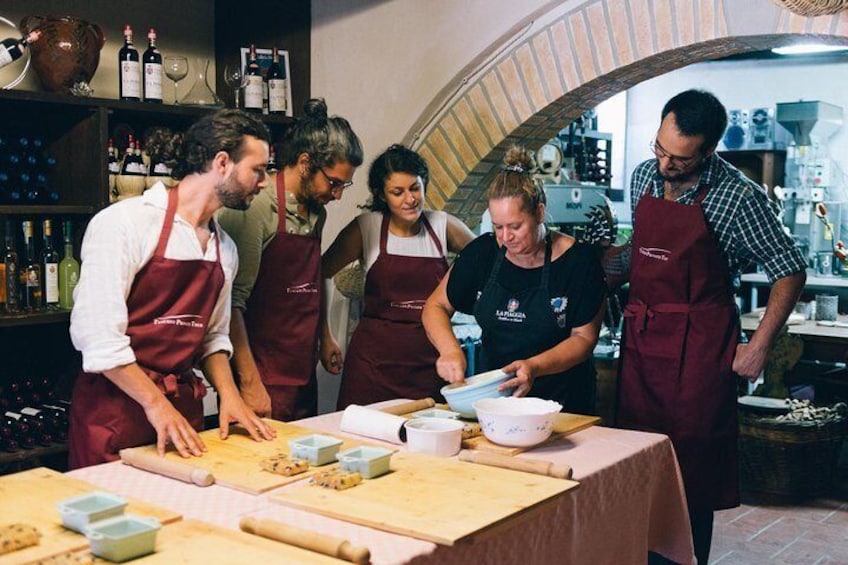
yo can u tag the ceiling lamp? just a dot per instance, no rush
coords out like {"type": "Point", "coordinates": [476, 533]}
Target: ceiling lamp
{"type": "Point", "coordinates": [809, 49]}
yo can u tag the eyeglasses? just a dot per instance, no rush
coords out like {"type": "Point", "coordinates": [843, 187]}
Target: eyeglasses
{"type": "Point", "coordinates": [677, 161]}
{"type": "Point", "coordinates": [336, 184]}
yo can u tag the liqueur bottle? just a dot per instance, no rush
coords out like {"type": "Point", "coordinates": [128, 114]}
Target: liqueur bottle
{"type": "Point", "coordinates": [30, 273]}
{"type": "Point", "coordinates": [128, 65]}
{"type": "Point", "coordinates": [69, 270]}
{"type": "Point", "coordinates": [152, 61]}
{"type": "Point", "coordinates": [50, 269]}
{"type": "Point", "coordinates": [10, 272]}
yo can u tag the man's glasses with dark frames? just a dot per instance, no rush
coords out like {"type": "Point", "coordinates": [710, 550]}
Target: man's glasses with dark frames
{"type": "Point", "coordinates": [677, 161]}
{"type": "Point", "coordinates": [336, 184]}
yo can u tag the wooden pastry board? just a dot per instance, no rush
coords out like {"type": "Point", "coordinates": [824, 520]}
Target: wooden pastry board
{"type": "Point", "coordinates": [235, 461]}
{"type": "Point", "coordinates": [30, 497]}
{"type": "Point", "coordinates": [564, 425]}
{"type": "Point", "coordinates": [193, 542]}
{"type": "Point", "coordinates": [432, 498]}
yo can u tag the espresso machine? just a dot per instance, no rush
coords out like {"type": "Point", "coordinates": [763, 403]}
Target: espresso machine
{"type": "Point", "coordinates": [814, 198]}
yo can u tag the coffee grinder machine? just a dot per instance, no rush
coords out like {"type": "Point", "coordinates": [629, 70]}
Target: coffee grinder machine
{"type": "Point", "coordinates": [812, 178]}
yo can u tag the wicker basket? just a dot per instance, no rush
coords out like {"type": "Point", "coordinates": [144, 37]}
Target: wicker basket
{"type": "Point", "coordinates": [787, 458]}
{"type": "Point", "coordinates": [814, 7]}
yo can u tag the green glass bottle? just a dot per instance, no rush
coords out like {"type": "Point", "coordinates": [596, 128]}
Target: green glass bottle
{"type": "Point", "coordinates": [69, 270]}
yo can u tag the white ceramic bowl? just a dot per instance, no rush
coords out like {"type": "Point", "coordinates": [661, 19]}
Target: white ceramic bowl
{"type": "Point", "coordinates": [461, 397]}
{"type": "Point", "coordinates": [517, 422]}
{"type": "Point", "coordinates": [434, 436]}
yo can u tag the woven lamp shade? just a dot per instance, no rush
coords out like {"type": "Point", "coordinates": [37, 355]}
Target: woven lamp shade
{"type": "Point", "coordinates": [814, 7]}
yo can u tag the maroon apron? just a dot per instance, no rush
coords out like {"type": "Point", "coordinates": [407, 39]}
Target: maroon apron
{"type": "Point", "coordinates": [389, 355]}
{"type": "Point", "coordinates": [169, 306]}
{"type": "Point", "coordinates": [283, 316]}
{"type": "Point", "coordinates": [679, 340]}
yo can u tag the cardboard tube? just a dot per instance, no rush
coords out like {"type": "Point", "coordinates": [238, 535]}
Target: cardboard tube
{"type": "Point", "coordinates": [527, 465]}
{"type": "Point", "coordinates": [409, 407]}
{"type": "Point", "coordinates": [154, 463]}
{"type": "Point", "coordinates": [327, 545]}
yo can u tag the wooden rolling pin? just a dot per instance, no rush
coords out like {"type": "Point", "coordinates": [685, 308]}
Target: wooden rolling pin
{"type": "Point", "coordinates": [327, 545]}
{"type": "Point", "coordinates": [507, 462]}
{"type": "Point", "coordinates": [408, 407]}
{"type": "Point", "coordinates": [155, 464]}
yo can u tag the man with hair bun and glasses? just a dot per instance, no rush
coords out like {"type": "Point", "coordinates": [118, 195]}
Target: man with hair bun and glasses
{"type": "Point", "coordinates": [538, 295]}
{"type": "Point", "coordinates": [697, 222]}
{"type": "Point", "coordinates": [277, 293]}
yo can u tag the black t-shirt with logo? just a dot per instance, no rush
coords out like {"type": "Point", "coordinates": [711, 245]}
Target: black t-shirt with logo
{"type": "Point", "coordinates": [576, 274]}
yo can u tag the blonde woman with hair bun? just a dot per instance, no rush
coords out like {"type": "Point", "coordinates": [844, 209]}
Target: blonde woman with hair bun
{"type": "Point", "coordinates": [538, 295]}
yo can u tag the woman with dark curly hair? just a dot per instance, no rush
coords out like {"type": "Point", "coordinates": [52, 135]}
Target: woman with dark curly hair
{"type": "Point", "coordinates": [402, 249]}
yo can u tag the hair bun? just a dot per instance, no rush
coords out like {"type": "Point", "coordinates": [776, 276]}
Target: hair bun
{"type": "Point", "coordinates": [315, 109]}
{"type": "Point", "coordinates": [519, 159]}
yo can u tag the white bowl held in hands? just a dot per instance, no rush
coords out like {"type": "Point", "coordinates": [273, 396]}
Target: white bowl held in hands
{"type": "Point", "coordinates": [517, 422]}
{"type": "Point", "coordinates": [434, 436]}
{"type": "Point", "coordinates": [461, 397]}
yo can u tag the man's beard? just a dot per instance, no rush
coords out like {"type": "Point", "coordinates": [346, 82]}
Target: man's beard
{"type": "Point", "coordinates": [680, 175]}
{"type": "Point", "coordinates": [230, 196]}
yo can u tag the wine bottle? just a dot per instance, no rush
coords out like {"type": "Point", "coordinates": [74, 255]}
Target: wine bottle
{"type": "Point", "coordinates": [48, 425]}
{"type": "Point", "coordinates": [276, 86]}
{"type": "Point", "coordinates": [129, 86]}
{"type": "Point", "coordinates": [10, 268]}
{"type": "Point", "coordinates": [253, 85]}
{"type": "Point", "coordinates": [69, 270]}
{"type": "Point", "coordinates": [31, 273]}
{"type": "Point", "coordinates": [50, 269]}
{"type": "Point", "coordinates": [152, 61]}
{"type": "Point", "coordinates": [20, 429]}
{"type": "Point", "coordinates": [12, 49]}
{"type": "Point", "coordinates": [271, 168]}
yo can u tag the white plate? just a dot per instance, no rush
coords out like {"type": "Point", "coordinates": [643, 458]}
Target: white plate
{"type": "Point", "coordinates": [764, 403]}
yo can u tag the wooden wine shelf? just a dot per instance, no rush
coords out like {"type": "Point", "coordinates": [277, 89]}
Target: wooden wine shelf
{"type": "Point", "coordinates": [55, 210]}
{"type": "Point", "coordinates": [27, 454]}
{"type": "Point", "coordinates": [34, 319]}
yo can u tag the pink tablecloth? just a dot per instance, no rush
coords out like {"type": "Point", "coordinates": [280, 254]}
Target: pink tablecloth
{"type": "Point", "coordinates": [630, 500]}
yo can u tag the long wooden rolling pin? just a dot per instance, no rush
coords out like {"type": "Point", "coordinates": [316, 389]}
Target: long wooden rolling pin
{"type": "Point", "coordinates": [527, 465]}
{"type": "Point", "coordinates": [408, 407]}
{"type": "Point", "coordinates": [155, 464]}
{"type": "Point", "coordinates": [328, 545]}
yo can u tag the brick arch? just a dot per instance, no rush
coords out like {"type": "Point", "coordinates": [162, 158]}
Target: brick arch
{"type": "Point", "coordinates": [576, 60]}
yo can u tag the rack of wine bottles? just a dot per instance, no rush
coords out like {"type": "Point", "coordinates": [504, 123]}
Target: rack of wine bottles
{"type": "Point", "coordinates": [25, 171]}
{"type": "Point", "coordinates": [30, 415]}
{"type": "Point", "coordinates": [35, 277]}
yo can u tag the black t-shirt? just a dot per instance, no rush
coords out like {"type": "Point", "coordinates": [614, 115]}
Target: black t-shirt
{"type": "Point", "coordinates": [576, 278]}
{"type": "Point", "coordinates": [576, 274]}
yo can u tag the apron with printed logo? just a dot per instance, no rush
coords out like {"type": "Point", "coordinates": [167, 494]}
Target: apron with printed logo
{"type": "Point", "coordinates": [389, 355]}
{"type": "Point", "coordinates": [680, 336]}
{"type": "Point", "coordinates": [519, 325]}
{"type": "Point", "coordinates": [169, 307]}
{"type": "Point", "coordinates": [282, 319]}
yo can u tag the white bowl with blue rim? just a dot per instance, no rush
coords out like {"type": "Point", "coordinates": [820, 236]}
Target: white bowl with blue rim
{"type": "Point", "coordinates": [517, 422]}
{"type": "Point", "coordinates": [461, 396]}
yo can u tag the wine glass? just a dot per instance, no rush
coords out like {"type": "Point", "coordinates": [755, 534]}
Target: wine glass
{"type": "Point", "coordinates": [176, 69]}
{"type": "Point", "coordinates": [235, 78]}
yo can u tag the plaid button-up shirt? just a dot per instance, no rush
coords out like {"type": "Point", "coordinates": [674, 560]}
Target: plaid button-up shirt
{"type": "Point", "coordinates": [739, 214]}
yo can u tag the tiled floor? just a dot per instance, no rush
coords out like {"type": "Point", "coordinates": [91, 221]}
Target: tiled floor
{"type": "Point", "coordinates": [767, 530]}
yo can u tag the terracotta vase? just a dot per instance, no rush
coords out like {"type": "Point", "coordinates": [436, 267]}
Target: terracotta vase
{"type": "Point", "coordinates": [68, 51]}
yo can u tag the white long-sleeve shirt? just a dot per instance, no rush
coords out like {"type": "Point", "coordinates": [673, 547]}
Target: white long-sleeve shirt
{"type": "Point", "coordinates": [118, 242]}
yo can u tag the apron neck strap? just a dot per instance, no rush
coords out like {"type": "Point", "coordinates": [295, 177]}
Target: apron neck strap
{"type": "Point", "coordinates": [170, 212]}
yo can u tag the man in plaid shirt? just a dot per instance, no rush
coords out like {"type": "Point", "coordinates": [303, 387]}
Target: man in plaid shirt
{"type": "Point", "coordinates": [697, 222]}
